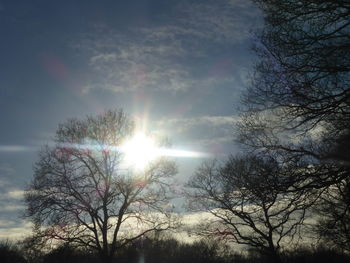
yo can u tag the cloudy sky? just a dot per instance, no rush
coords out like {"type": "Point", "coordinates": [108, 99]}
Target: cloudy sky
{"type": "Point", "coordinates": [179, 64]}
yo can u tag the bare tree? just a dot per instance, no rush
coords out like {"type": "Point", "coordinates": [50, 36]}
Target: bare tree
{"type": "Point", "coordinates": [82, 192]}
{"type": "Point", "coordinates": [318, 158]}
{"type": "Point", "coordinates": [333, 211]}
{"type": "Point", "coordinates": [304, 60]}
{"type": "Point", "coordinates": [299, 100]}
{"type": "Point", "coordinates": [298, 104]}
{"type": "Point", "coordinates": [34, 246]}
{"type": "Point", "coordinates": [250, 203]}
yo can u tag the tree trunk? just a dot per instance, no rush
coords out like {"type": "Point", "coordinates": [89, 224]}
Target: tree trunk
{"type": "Point", "coordinates": [272, 251]}
{"type": "Point", "coordinates": [274, 256]}
{"type": "Point", "coordinates": [106, 258]}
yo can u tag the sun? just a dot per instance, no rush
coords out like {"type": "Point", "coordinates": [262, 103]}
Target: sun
{"type": "Point", "coordinates": [139, 151]}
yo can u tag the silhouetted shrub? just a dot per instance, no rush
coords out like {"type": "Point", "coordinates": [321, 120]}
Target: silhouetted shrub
{"type": "Point", "coordinates": [9, 253]}
{"type": "Point", "coordinates": [171, 250]}
{"type": "Point", "coordinates": [68, 254]}
{"type": "Point", "coordinates": [318, 255]}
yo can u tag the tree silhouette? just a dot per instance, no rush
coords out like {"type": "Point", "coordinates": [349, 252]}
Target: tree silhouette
{"type": "Point", "coordinates": [10, 253]}
{"type": "Point", "coordinates": [34, 246]}
{"type": "Point", "coordinates": [304, 61]}
{"type": "Point", "coordinates": [250, 203]}
{"type": "Point", "coordinates": [298, 103]}
{"type": "Point", "coordinates": [333, 211]}
{"type": "Point", "coordinates": [83, 194]}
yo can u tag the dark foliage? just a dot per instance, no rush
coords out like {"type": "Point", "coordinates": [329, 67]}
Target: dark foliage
{"type": "Point", "coordinates": [173, 251]}
{"type": "Point", "coordinates": [67, 254]}
{"type": "Point", "coordinates": [9, 253]}
{"type": "Point", "coordinates": [317, 255]}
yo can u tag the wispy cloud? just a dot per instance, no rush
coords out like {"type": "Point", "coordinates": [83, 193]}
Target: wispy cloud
{"type": "Point", "coordinates": [207, 120]}
{"type": "Point", "coordinates": [183, 125]}
{"type": "Point", "coordinates": [231, 23]}
{"type": "Point", "coordinates": [11, 208]}
{"type": "Point", "coordinates": [10, 196]}
{"type": "Point", "coordinates": [6, 223]}
{"type": "Point", "coordinates": [14, 231]}
{"type": "Point", "coordinates": [211, 134]}
{"type": "Point", "coordinates": [165, 57]}
{"type": "Point", "coordinates": [6, 169]}
{"type": "Point", "coordinates": [15, 148]}
{"type": "Point", "coordinates": [15, 194]}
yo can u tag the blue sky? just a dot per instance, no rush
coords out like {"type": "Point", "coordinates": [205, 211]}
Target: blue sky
{"type": "Point", "coordinates": [179, 64]}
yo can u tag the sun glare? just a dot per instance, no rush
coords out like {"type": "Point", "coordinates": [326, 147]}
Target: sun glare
{"type": "Point", "coordinates": [139, 151]}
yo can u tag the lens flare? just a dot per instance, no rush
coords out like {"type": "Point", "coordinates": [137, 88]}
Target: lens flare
{"type": "Point", "coordinates": [138, 152]}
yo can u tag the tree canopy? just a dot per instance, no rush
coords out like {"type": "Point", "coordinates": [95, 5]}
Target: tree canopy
{"type": "Point", "coordinates": [83, 193]}
{"type": "Point", "coordinates": [298, 104]}
{"type": "Point", "coordinates": [250, 203]}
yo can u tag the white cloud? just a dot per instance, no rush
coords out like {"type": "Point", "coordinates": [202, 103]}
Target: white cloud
{"type": "Point", "coordinates": [210, 134]}
{"type": "Point", "coordinates": [12, 231]}
{"type": "Point", "coordinates": [13, 207]}
{"type": "Point", "coordinates": [15, 194]}
{"type": "Point", "coordinates": [11, 193]}
{"type": "Point", "coordinates": [15, 148]}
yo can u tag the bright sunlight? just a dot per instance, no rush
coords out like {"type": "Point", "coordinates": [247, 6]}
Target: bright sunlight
{"type": "Point", "coordinates": [139, 151]}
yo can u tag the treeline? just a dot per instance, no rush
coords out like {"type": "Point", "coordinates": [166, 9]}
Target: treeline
{"type": "Point", "coordinates": [167, 250]}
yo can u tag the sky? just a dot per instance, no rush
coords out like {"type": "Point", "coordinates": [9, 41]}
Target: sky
{"type": "Point", "coordinates": [181, 65]}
